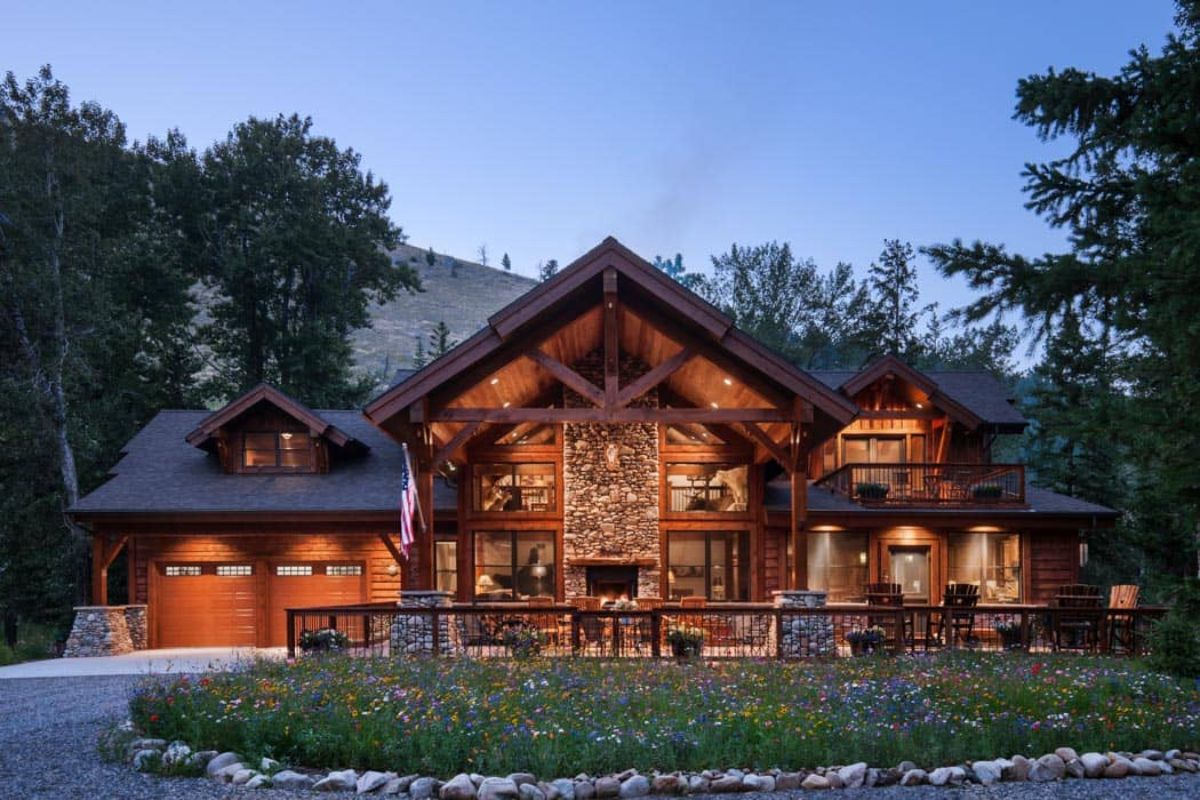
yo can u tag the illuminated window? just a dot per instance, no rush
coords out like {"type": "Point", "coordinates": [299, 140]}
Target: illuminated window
{"type": "Point", "coordinates": [514, 487]}
{"type": "Point", "coordinates": [991, 561]}
{"type": "Point", "coordinates": [445, 565]}
{"type": "Point", "coordinates": [235, 570]}
{"type": "Point", "coordinates": [710, 564]}
{"type": "Point", "coordinates": [837, 564]}
{"type": "Point", "coordinates": [293, 570]}
{"type": "Point", "coordinates": [343, 569]}
{"type": "Point", "coordinates": [277, 450]}
{"type": "Point", "coordinates": [514, 565]}
{"type": "Point", "coordinates": [181, 570]}
{"type": "Point", "coordinates": [873, 450]}
{"type": "Point", "coordinates": [708, 487]}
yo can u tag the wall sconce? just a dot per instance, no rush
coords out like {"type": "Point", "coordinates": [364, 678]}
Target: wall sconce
{"type": "Point", "coordinates": [862, 557]}
{"type": "Point", "coordinates": [393, 569]}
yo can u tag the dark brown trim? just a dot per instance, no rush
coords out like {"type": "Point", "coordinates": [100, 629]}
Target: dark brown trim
{"type": "Point", "coordinates": [265, 392]}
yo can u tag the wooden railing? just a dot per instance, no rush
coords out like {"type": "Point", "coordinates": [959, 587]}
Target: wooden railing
{"type": "Point", "coordinates": [743, 630]}
{"type": "Point", "coordinates": [929, 484]}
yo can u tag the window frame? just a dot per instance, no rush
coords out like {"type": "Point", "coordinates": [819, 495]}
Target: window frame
{"type": "Point", "coordinates": [278, 466]}
{"type": "Point", "coordinates": [741, 570]}
{"type": "Point", "coordinates": [858, 595]}
{"type": "Point", "coordinates": [515, 546]}
{"type": "Point", "coordinates": [715, 464]}
{"type": "Point", "coordinates": [553, 471]}
{"type": "Point", "coordinates": [981, 567]}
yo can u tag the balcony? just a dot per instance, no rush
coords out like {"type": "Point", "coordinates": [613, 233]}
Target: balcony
{"type": "Point", "coordinates": [943, 485]}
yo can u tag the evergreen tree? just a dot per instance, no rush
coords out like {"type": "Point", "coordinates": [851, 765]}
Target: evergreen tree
{"type": "Point", "coordinates": [893, 319]}
{"type": "Point", "coordinates": [506, 262]}
{"type": "Point", "coordinates": [440, 341]}
{"type": "Point", "coordinates": [295, 249]}
{"type": "Point", "coordinates": [420, 357]}
{"type": "Point", "coordinates": [1128, 195]}
{"type": "Point", "coordinates": [430, 257]}
{"type": "Point", "coordinates": [672, 267]}
{"type": "Point", "coordinates": [547, 270]}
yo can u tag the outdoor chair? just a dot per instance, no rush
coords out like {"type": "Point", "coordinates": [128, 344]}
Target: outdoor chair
{"type": "Point", "coordinates": [957, 616]}
{"type": "Point", "coordinates": [891, 596]}
{"type": "Point", "coordinates": [1121, 627]}
{"type": "Point", "coordinates": [1075, 617]}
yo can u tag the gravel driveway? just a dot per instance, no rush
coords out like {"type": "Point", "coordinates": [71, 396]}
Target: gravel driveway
{"type": "Point", "coordinates": [48, 730]}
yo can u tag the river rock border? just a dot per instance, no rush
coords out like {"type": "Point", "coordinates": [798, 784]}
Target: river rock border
{"type": "Point", "coordinates": [156, 755]}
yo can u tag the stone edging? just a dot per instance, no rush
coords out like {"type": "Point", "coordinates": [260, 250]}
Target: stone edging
{"type": "Point", "coordinates": [149, 755]}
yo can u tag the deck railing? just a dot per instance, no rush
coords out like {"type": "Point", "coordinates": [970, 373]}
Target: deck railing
{"type": "Point", "coordinates": [929, 484]}
{"type": "Point", "coordinates": [747, 630]}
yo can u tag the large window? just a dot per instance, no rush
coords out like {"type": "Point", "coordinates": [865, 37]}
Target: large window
{"type": "Point", "coordinates": [514, 565]}
{"type": "Point", "coordinates": [514, 487]}
{"type": "Point", "coordinates": [837, 564]}
{"type": "Point", "coordinates": [708, 487]}
{"type": "Point", "coordinates": [277, 450]}
{"type": "Point", "coordinates": [873, 450]}
{"type": "Point", "coordinates": [710, 564]}
{"type": "Point", "coordinates": [445, 565]}
{"type": "Point", "coordinates": [991, 561]}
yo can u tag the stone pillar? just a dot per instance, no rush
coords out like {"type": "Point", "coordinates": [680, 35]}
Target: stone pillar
{"type": "Point", "coordinates": [135, 621]}
{"type": "Point", "coordinates": [412, 634]}
{"type": "Point", "coordinates": [804, 634]}
{"type": "Point", "coordinates": [99, 631]}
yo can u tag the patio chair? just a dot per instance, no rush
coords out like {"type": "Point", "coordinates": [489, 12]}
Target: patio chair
{"type": "Point", "coordinates": [1076, 616]}
{"type": "Point", "coordinates": [1121, 627]}
{"type": "Point", "coordinates": [953, 616]}
{"type": "Point", "coordinates": [650, 603]}
{"type": "Point", "coordinates": [891, 596]}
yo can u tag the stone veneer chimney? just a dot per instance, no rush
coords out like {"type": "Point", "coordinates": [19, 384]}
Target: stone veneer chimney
{"type": "Point", "coordinates": [610, 473]}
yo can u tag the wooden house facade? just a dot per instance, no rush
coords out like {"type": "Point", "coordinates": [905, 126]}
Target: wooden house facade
{"type": "Point", "coordinates": [609, 433]}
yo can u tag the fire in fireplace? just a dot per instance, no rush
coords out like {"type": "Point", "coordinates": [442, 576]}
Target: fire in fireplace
{"type": "Point", "coordinates": [611, 583]}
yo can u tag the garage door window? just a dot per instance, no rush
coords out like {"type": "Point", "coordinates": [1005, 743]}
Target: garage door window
{"type": "Point", "coordinates": [343, 569]}
{"type": "Point", "coordinates": [235, 570]}
{"type": "Point", "coordinates": [293, 570]}
{"type": "Point", "coordinates": [181, 570]}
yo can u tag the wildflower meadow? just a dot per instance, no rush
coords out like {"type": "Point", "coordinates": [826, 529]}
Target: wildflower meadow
{"type": "Point", "coordinates": [441, 717]}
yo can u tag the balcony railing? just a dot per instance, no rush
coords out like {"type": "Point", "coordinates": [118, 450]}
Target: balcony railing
{"type": "Point", "coordinates": [929, 484]}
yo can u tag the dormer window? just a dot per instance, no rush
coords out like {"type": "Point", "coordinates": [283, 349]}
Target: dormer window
{"type": "Point", "coordinates": [282, 450]}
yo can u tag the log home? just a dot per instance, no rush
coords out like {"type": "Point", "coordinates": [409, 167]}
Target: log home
{"type": "Point", "coordinates": [608, 433]}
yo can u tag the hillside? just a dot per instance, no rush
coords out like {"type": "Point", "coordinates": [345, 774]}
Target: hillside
{"type": "Point", "coordinates": [463, 298]}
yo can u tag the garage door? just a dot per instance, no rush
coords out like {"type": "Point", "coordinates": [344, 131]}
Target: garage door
{"type": "Point", "coordinates": [205, 605]}
{"type": "Point", "coordinates": [305, 585]}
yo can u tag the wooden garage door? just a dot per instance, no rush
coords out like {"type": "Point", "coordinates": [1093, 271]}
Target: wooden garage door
{"type": "Point", "coordinates": [304, 585]}
{"type": "Point", "coordinates": [205, 605]}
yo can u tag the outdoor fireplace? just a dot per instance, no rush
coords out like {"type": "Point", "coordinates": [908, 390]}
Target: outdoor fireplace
{"type": "Point", "coordinates": [612, 582]}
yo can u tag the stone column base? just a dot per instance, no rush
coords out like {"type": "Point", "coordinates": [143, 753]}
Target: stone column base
{"type": "Point", "coordinates": [412, 635]}
{"type": "Point", "coordinates": [804, 634]}
{"type": "Point", "coordinates": [106, 631]}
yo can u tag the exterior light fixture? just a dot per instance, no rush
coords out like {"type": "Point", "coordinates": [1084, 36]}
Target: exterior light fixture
{"type": "Point", "coordinates": [920, 405]}
{"type": "Point", "coordinates": [495, 381]}
{"type": "Point", "coordinates": [728, 382]}
{"type": "Point", "coordinates": [507, 404]}
{"type": "Point", "coordinates": [714, 404]}
{"type": "Point", "coordinates": [286, 435]}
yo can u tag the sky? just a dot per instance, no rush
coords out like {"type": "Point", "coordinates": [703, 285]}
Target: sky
{"type": "Point", "coordinates": [539, 128]}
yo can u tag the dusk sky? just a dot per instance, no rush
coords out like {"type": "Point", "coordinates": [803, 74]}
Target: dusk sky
{"type": "Point", "coordinates": [540, 128]}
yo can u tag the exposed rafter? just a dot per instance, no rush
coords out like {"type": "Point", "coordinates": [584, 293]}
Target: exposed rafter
{"type": "Point", "coordinates": [615, 415]}
{"type": "Point", "coordinates": [654, 377]}
{"type": "Point", "coordinates": [568, 376]}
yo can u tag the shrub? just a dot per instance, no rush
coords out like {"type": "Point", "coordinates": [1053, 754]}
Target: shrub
{"type": "Point", "coordinates": [872, 491]}
{"type": "Point", "coordinates": [685, 640]}
{"type": "Point", "coordinates": [324, 640]}
{"type": "Point", "coordinates": [523, 641]}
{"type": "Point", "coordinates": [1175, 645]}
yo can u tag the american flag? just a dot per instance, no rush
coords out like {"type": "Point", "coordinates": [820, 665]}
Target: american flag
{"type": "Point", "coordinates": [408, 505]}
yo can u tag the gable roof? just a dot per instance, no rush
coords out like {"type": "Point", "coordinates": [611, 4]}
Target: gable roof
{"type": "Point", "coordinates": [540, 303]}
{"type": "Point", "coordinates": [204, 432]}
{"type": "Point", "coordinates": [978, 393]}
{"type": "Point", "coordinates": [160, 473]}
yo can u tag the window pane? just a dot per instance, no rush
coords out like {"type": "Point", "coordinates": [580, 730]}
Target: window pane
{"type": "Point", "coordinates": [234, 570]}
{"type": "Point", "coordinates": [514, 487]}
{"type": "Point", "coordinates": [260, 441]}
{"type": "Point", "coordinates": [708, 487]}
{"type": "Point", "coordinates": [991, 561]}
{"type": "Point", "coordinates": [343, 570]}
{"type": "Point", "coordinates": [535, 573]}
{"type": "Point", "coordinates": [294, 570]}
{"type": "Point", "coordinates": [296, 458]}
{"type": "Point", "coordinates": [687, 575]}
{"type": "Point", "coordinates": [889, 451]}
{"type": "Point", "coordinates": [837, 564]}
{"type": "Point", "coordinates": [512, 565]}
{"type": "Point", "coordinates": [445, 566]}
{"type": "Point", "coordinates": [857, 451]}
{"type": "Point", "coordinates": [294, 441]}
{"type": "Point", "coordinates": [259, 458]}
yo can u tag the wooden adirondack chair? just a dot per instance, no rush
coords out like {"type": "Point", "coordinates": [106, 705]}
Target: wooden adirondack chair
{"type": "Point", "coordinates": [1121, 629]}
{"type": "Point", "coordinates": [892, 596]}
{"type": "Point", "coordinates": [957, 615]}
{"type": "Point", "coordinates": [1078, 615]}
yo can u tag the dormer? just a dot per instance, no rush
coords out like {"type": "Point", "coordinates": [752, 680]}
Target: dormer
{"type": "Point", "coordinates": [265, 431]}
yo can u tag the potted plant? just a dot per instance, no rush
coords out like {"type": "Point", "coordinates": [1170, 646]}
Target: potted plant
{"type": "Point", "coordinates": [686, 640]}
{"type": "Point", "coordinates": [323, 640]}
{"type": "Point", "coordinates": [877, 492]}
{"type": "Point", "coordinates": [1010, 634]}
{"type": "Point", "coordinates": [988, 492]}
{"type": "Point", "coordinates": [866, 641]}
{"type": "Point", "coordinates": [523, 641]}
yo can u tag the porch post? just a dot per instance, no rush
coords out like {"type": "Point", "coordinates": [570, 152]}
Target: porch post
{"type": "Point", "coordinates": [798, 577]}
{"type": "Point", "coordinates": [99, 572]}
{"type": "Point", "coordinates": [424, 539]}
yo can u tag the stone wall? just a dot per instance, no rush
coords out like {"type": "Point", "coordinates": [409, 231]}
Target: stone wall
{"type": "Point", "coordinates": [412, 634]}
{"type": "Point", "coordinates": [804, 635]}
{"type": "Point", "coordinates": [106, 631]}
{"type": "Point", "coordinates": [611, 477]}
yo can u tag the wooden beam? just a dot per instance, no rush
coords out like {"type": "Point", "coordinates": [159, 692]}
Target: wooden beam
{"type": "Point", "coordinates": [456, 443]}
{"type": "Point", "coordinates": [799, 515]}
{"type": "Point", "coordinates": [568, 377]}
{"type": "Point", "coordinates": [654, 377]}
{"type": "Point", "coordinates": [614, 415]}
{"type": "Point", "coordinates": [99, 573]}
{"type": "Point", "coordinates": [397, 556]}
{"type": "Point", "coordinates": [113, 550]}
{"type": "Point", "coordinates": [779, 453]}
{"type": "Point", "coordinates": [612, 346]}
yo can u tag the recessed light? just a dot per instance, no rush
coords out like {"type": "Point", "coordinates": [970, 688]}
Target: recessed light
{"type": "Point", "coordinates": [714, 404]}
{"type": "Point", "coordinates": [919, 405]}
{"type": "Point", "coordinates": [728, 382]}
{"type": "Point", "coordinates": [495, 381]}
{"type": "Point", "coordinates": [507, 404]}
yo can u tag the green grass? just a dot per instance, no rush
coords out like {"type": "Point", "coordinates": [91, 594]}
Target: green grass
{"type": "Point", "coordinates": [34, 642]}
{"type": "Point", "coordinates": [558, 718]}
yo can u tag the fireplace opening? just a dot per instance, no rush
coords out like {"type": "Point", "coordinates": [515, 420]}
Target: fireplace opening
{"type": "Point", "coordinates": [612, 583]}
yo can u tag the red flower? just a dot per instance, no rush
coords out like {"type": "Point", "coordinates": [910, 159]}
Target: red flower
{"type": "Point", "coordinates": [154, 717]}
{"type": "Point", "coordinates": [1037, 668]}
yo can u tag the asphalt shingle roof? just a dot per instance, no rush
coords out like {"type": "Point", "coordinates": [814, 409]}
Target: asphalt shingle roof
{"type": "Point", "coordinates": [978, 390]}
{"type": "Point", "coordinates": [162, 473]}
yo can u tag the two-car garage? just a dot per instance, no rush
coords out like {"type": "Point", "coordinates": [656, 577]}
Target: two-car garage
{"type": "Point", "coordinates": [243, 603]}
